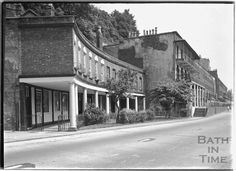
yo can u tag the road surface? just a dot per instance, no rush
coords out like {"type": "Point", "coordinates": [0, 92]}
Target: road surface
{"type": "Point", "coordinates": [200, 143]}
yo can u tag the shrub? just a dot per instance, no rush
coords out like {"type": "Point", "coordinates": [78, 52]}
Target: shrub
{"type": "Point", "coordinates": [80, 120]}
{"type": "Point", "coordinates": [150, 114]}
{"type": "Point", "coordinates": [183, 112]}
{"type": "Point", "coordinates": [94, 115]}
{"type": "Point", "coordinates": [156, 109]}
{"type": "Point", "coordinates": [142, 115]}
{"type": "Point", "coordinates": [123, 116]}
{"type": "Point", "coordinates": [112, 115]}
{"type": "Point", "coordinates": [131, 116]}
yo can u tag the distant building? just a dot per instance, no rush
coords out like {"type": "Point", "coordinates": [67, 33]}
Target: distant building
{"type": "Point", "coordinates": [221, 89]}
{"type": "Point", "coordinates": [168, 56]}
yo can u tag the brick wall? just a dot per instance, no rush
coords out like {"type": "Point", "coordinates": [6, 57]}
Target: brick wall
{"type": "Point", "coordinates": [47, 50]}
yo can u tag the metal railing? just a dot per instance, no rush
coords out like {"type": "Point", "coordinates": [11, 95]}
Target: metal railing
{"type": "Point", "coordinates": [62, 123]}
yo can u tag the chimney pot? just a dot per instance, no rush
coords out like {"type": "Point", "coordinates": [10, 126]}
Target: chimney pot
{"type": "Point", "coordinates": [152, 31]}
{"type": "Point", "coordinates": [144, 32]}
{"type": "Point", "coordinates": [155, 30]}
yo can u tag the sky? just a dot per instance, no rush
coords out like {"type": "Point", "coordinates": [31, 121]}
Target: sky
{"type": "Point", "coordinates": [208, 28]}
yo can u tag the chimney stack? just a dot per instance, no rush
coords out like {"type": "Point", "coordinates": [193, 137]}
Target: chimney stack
{"type": "Point", "coordinates": [152, 31]}
{"type": "Point", "coordinates": [144, 32]}
{"type": "Point", "coordinates": [155, 30]}
{"type": "Point", "coordinates": [99, 37]}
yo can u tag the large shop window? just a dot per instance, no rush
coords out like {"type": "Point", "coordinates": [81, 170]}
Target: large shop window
{"type": "Point", "coordinates": [57, 101]}
{"type": "Point", "coordinates": [38, 102]}
{"type": "Point", "coordinates": [45, 101]}
{"type": "Point", "coordinates": [65, 102]}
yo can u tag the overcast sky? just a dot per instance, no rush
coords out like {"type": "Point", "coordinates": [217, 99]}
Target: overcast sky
{"type": "Point", "coordinates": [208, 28]}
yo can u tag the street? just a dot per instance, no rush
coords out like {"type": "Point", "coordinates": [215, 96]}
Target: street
{"type": "Point", "coordinates": [199, 143]}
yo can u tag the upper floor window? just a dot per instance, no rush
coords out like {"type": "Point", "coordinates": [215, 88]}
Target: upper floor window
{"type": "Point", "coordinates": [177, 72]}
{"type": "Point", "coordinates": [108, 72]}
{"type": "Point", "coordinates": [90, 64]}
{"type": "Point", "coordinates": [114, 73]}
{"type": "Point", "coordinates": [96, 66]}
{"type": "Point", "coordinates": [75, 57]}
{"type": "Point", "coordinates": [84, 59]}
{"type": "Point", "coordinates": [141, 83]}
{"type": "Point", "coordinates": [78, 53]}
{"type": "Point", "coordinates": [177, 51]}
{"type": "Point", "coordinates": [102, 70]}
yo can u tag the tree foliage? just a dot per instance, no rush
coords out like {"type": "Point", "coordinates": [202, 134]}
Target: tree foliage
{"type": "Point", "coordinates": [118, 88]}
{"type": "Point", "coordinates": [124, 22]}
{"type": "Point", "coordinates": [169, 92]}
{"type": "Point", "coordinates": [115, 26]}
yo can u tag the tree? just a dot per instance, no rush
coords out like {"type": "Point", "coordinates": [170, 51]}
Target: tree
{"type": "Point", "coordinates": [169, 92]}
{"type": "Point", "coordinates": [124, 22]}
{"type": "Point", "coordinates": [120, 87]}
{"type": "Point", "coordinates": [115, 26]}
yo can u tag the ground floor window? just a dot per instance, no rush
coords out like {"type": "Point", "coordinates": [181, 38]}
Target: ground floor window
{"type": "Point", "coordinates": [57, 105]}
{"type": "Point", "coordinates": [38, 101]}
{"type": "Point", "coordinates": [45, 101]}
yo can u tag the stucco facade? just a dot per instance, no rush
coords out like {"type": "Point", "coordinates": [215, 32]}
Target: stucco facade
{"type": "Point", "coordinates": [169, 56]}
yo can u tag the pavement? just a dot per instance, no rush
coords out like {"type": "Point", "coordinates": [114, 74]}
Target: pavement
{"type": "Point", "coordinates": [52, 132]}
{"type": "Point", "coordinates": [161, 144]}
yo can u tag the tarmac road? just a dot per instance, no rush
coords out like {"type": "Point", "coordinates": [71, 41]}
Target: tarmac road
{"type": "Point", "coordinates": [169, 145]}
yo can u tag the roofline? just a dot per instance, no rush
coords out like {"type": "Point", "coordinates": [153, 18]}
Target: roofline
{"type": "Point", "coordinates": [103, 54]}
{"type": "Point", "coordinates": [92, 47]}
{"type": "Point", "coordinates": [171, 32]}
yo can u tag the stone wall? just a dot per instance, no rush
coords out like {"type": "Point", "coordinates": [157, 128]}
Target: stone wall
{"type": "Point", "coordinates": [216, 110]}
{"type": "Point", "coordinates": [12, 69]}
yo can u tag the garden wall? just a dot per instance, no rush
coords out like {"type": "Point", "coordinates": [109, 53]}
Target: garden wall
{"type": "Point", "coordinates": [216, 110]}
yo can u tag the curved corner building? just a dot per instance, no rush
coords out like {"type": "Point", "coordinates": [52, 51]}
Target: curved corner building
{"type": "Point", "coordinates": [56, 71]}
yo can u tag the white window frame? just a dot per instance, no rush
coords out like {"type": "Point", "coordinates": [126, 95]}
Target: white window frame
{"type": "Point", "coordinates": [90, 64]}
{"type": "Point", "coordinates": [78, 53]}
{"type": "Point", "coordinates": [84, 58]}
{"type": "Point", "coordinates": [96, 66]}
{"type": "Point", "coordinates": [102, 70]}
